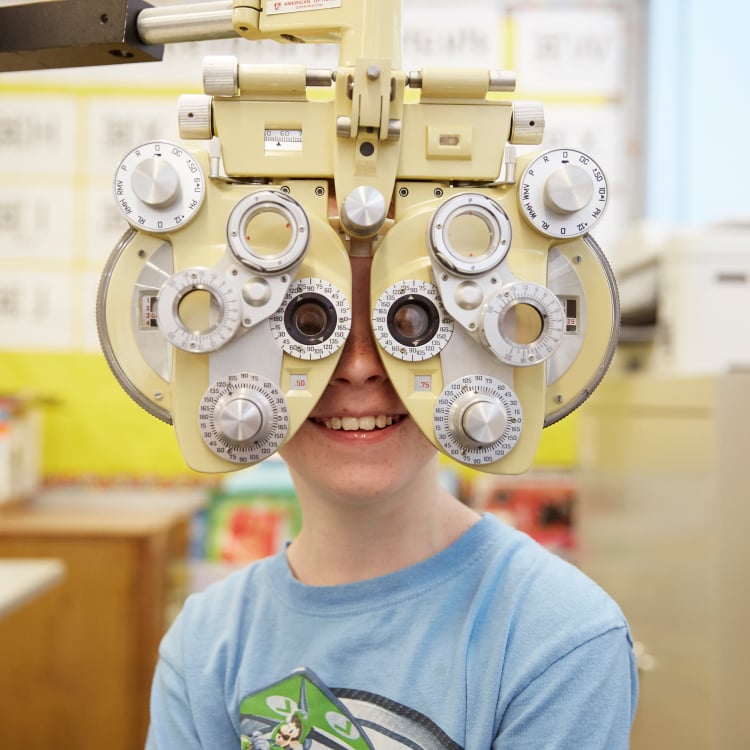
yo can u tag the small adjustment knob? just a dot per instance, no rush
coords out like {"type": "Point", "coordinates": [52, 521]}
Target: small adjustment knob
{"type": "Point", "coordinates": [155, 182]}
{"type": "Point", "coordinates": [238, 419]}
{"type": "Point", "coordinates": [527, 123]}
{"type": "Point", "coordinates": [483, 420]}
{"type": "Point", "coordinates": [568, 189]}
{"type": "Point", "coordinates": [220, 75]}
{"type": "Point", "coordinates": [363, 211]}
{"type": "Point", "coordinates": [194, 116]}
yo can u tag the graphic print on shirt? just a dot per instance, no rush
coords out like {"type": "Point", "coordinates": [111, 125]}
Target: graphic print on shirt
{"type": "Point", "coordinates": [302, 713]}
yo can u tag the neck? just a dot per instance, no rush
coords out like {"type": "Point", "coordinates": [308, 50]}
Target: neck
{"type": "Point", "coordinates": [353, 538]}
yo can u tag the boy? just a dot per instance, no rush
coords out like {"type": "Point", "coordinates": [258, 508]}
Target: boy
{"type": "Point", "coordinates": [398, 617]}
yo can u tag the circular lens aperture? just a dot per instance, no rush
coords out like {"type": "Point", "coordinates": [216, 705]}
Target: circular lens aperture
{"type": "Point", "coordinates": [310, 318]}
{"type": "Point", "coordinates": [268, 231]}
{"type": "Point", "coordinates": [469, 234]}
{"type": "Point", "coordinates": [314, 320]}
{"type": "Point", "coordinates": [413, 320]}
{"type": "Point", "coordinates": [410, 322]}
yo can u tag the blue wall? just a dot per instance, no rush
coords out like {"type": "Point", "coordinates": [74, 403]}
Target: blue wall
{"type": "Point", "coordinates": [698, 118]}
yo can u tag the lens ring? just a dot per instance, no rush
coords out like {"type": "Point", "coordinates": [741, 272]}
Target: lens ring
{"type": "Point", "coordinates": [254, 205]}
{"type": "Point", "coordinates": [510, 298]}
{"type": "Point", "coordinates": [483, 209]}
{"type": "Point", "coordinates": [434, 327]}
{"type": "Point", "coordinates": [413, 320]}
{"type": "Point", "coordinates": [313, 321]}
{"type": "Point", "coordinates": [222, 293]}
{"type": "Point", "coordinates": [310, 318]}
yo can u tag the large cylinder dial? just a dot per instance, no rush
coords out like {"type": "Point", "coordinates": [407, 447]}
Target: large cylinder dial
{"type": "Point", "coordinates": [523, 324]}
{"type": "Point", "coordinates": [159, 186]}
{"type": "Point", "coordinates": [198, 310]}
{"type": "Point", "coordinates": [563, 193]}
{"type": "Point", "coordinates": [477, 419]}
{"type": "Point", "coordinates": [243, 418]}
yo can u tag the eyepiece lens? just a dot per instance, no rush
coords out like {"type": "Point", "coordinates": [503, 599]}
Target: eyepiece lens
{"type": "Point", "coordinates": [413, 320]}
{"type": "Point", "coordinates": [310, 319]}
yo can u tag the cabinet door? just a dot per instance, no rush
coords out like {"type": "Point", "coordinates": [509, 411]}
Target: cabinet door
{"type": "Point", "coordinates": [77, 663]}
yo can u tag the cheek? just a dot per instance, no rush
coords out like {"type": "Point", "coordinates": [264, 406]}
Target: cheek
{"type": "Point", "coordinates": [301, 443]}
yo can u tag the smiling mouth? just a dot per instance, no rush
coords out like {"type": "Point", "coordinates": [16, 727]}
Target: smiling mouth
{"type": "Point", "coordinates": [350, 424]}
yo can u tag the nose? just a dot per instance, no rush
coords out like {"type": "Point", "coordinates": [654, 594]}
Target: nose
{"type": "Point", "coordinates": [360, 362]}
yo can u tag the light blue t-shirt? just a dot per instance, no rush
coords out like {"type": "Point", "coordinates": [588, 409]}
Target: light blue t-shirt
{"type": "Point", "coordinates": [492, 644]}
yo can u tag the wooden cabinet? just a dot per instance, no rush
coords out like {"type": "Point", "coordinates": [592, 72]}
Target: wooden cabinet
{"type": "Point", "coordinates": [76, 663]}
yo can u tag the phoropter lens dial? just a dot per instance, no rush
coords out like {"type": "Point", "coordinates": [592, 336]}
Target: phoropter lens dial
{"type": "Point", "coordinates": [243, 418]}
{"type": "Point", "coordinates": [563, 193]}
{"type": "Point", "coordinates": [523, 324]}
{"type": "Point", "coordinates": [159, 187]}
{"type": "Point", "coordinates": [198, 310]}
{"type": "Point", "coordinates": [409, 321]}
{"type": "Point", "coordinates": [313, 321]}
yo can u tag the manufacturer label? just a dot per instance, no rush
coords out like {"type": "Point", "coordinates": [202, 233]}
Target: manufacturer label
{"type": "Point", "coordinates": [276, 7]}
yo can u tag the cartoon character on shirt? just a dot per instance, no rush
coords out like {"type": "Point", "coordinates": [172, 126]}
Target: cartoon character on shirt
{"type": "Point", "coordinates": [292, 733]}
{"type": "Point", "coordinates": [300, 712]}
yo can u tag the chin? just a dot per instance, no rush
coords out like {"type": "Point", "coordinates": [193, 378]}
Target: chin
{"type": "Point", "coordinates": [359, 464]}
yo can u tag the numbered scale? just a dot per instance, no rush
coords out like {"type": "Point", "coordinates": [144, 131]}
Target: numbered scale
{"type": "Point", "coordinates": [501, 323]}
{"type": "Point", "coordinates": [243, 418]}
{"type": "Point", "coordinates": [159, 186]}
{"type": "Point", "coordinates": [478, 419]}
{"type": "Point", "coordinates": [563, 193]}
{"type": "Point", "coordinates": [409, 321]}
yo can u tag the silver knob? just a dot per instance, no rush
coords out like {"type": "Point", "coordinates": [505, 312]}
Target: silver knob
{"type": "Point", "coordinates": [363, 211]}
{"type": "Point", "coordinates": [194, 116]}
{"type": "Point", "coordinates": [484, 421]}
{"type": "Point", "coordinates": [238, 419]}
{"type": "Point", "coordinates": [479, 418]}
{"type": "Point", "coordinates": [568, 189]}
{"type": "Point", "coordinates": [527, 123]}
{"type": "Point", "coordinates": [220, 75]}
{"type": "Point", "coordinates": [155, 182]}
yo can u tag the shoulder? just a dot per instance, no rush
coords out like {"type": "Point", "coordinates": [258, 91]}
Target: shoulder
{"type": "Point", "coordinates": [550, 605]}
{"type": "Point", "coordinates": [213, 616]}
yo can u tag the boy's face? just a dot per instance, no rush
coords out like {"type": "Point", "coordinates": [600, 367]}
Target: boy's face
{"type": "Point", "coordinates": [359, 440]}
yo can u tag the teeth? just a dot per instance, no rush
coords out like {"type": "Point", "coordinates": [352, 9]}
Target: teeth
{"type": "Point", "coordinates": [358, 423]}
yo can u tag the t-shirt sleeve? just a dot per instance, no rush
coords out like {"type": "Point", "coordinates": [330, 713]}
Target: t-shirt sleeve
{"type": "Point", "coordinates": [172, 722]}
{"type": "Point", "coordinates": [586, 699]}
